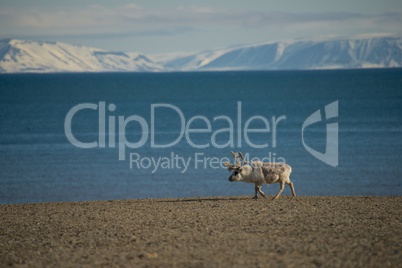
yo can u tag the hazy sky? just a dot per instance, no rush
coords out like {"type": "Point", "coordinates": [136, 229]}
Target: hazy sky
{"type": "Point", "coordinates": [155, 26]}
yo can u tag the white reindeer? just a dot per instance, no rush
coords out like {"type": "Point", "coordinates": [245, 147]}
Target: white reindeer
{"type": "Point", "coordinates": [260, 173]}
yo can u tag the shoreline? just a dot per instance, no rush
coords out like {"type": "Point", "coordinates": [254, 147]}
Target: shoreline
{"type": "Point", "coordinates": [268, 198]}
{"type": "Point", "coordinates": [205, 231]}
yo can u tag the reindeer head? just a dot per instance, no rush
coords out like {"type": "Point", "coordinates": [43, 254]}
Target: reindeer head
{"type": "Point", "coordinates": [236, 168]}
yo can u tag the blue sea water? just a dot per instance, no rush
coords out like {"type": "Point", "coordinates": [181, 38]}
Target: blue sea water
{"type": "Point", "coordinates": [39, 163]}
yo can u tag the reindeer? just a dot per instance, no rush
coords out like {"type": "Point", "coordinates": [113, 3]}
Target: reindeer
{"type": "Point", "coordinates": [259, 173]}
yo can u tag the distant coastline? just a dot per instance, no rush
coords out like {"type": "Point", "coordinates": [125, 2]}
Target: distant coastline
{"type": "Point", "coordinates": [360, 52]}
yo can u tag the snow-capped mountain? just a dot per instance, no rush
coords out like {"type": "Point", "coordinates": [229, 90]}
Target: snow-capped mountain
{"type": "Point", "coordinates": [357, 52]}
{"type": "Point", "coordinates": [18, 56]}
{"type": "Point", "coordinates": [377, 52]}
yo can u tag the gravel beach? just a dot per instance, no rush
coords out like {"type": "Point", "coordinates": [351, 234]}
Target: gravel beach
{"type": "Point", "coordinates": [205, 232]}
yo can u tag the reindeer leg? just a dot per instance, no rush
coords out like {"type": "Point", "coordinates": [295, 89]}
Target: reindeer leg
{"type": "Point", "coordinates": [280, 190]}
{"type": "Point", "coordinates": [260, 191]}
{"type": "Point", "coordinates": [256, 192]}
{"type": "Point", "coordinates": [292, 188]}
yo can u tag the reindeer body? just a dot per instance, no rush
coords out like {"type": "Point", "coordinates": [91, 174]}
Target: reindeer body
{"type": "Point", "coordinates": [276, 172]}
{"type": "Point", "coordinates": [261, 173]}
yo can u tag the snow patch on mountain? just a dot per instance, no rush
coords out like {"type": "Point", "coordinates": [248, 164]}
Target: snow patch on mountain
{"type": "Point", "coordinates": [357, 52]}
{"type": "Point", "coordinates": [31, 56]}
